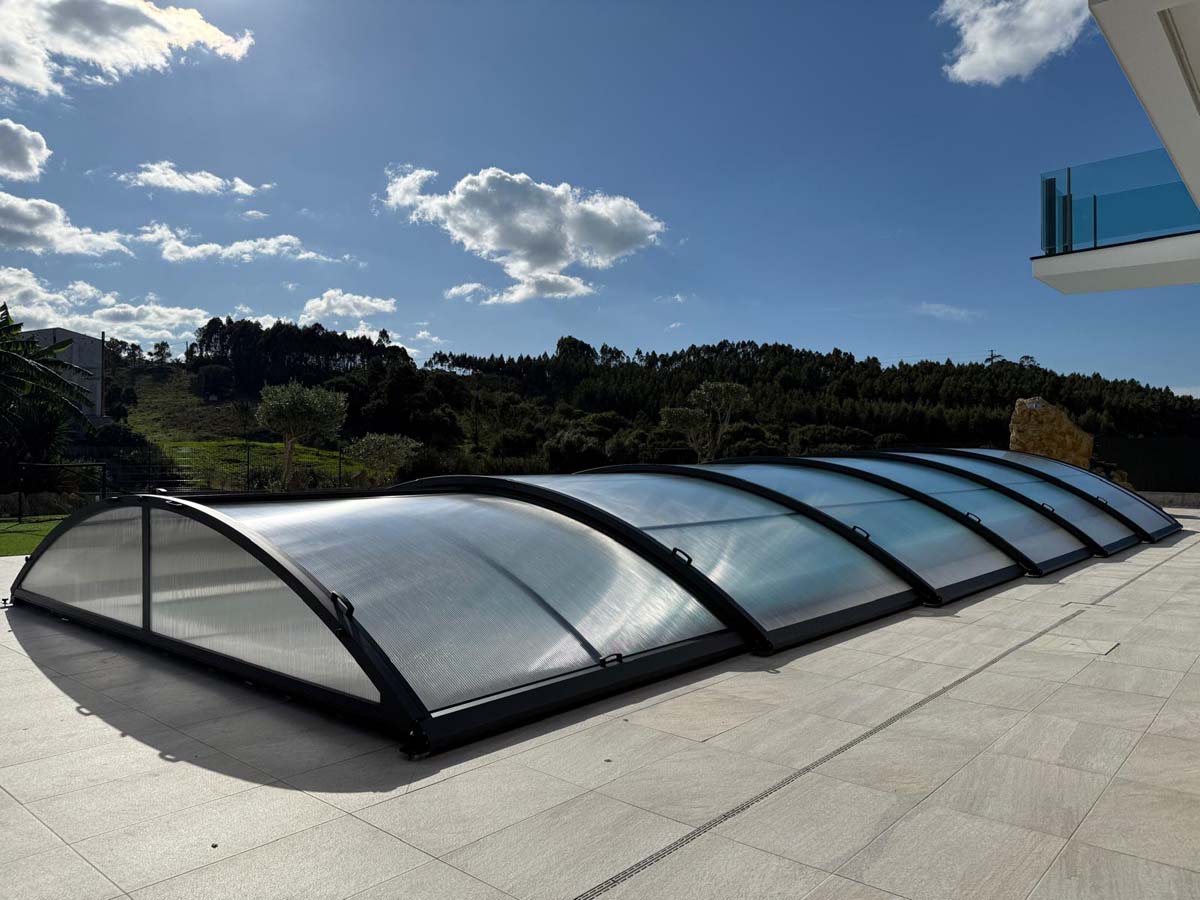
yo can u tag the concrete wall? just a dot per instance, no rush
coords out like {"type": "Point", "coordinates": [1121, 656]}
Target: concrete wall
{"type": "Point", "coordinates": [1173, 498]}
{"type": "Point", "coordinates": [86, 352]}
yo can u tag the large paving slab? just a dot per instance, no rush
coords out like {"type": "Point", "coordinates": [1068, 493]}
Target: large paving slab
{"type": "Point", "coordinates": [1039, 740]}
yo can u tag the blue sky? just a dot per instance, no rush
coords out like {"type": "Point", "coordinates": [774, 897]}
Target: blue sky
{"type": "Point", "coordinates": [674, 173]}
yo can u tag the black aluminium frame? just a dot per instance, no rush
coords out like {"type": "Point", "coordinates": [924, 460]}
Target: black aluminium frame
{"type": "Point", "coordinates": [401, 711]}
{"type": "Point", "coordinates": [920, 590]}
{"type": "Point", "coordinates": [1158, 535]}
{"type": "Point", "coordinates": [944, 594]}
{"type": "Point", "coordinates": [398, 703]}
{"type": "Point", "coordinates": [974, 524]}
{"type": "Point", "coordinates": [1139, 533]}
{"type": "Point", "coordinates": [1091, 547]}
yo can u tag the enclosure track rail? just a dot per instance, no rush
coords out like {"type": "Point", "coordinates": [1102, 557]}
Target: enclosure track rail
{"type": "Point", "coordinates": [701, 830]}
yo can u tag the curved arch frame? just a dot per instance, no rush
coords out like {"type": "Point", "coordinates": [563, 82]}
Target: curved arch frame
{"type": "Point", "coordinates": [1158, 535]}
{"type": "Point", "coordinates": [996, 540]}
{"type": "Point", "coordinates": [920, 587]}
{"type": "Point", "coordinates": [399, 710]}
{"type": "Point", "coordinates": [398, 702]}
{"type": "Point", "coordinates": [1091, 545]}
{"type": "Point", "coordinates": [726, 609]}
{"type": "Point", "coordinates": [1139, 532]}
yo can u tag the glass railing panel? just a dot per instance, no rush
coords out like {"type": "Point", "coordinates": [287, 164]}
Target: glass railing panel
{"type": "Point", "coordinates": [1115, 201]}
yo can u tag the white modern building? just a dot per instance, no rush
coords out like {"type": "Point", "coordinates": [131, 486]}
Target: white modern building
{"type": "Point", "coordinates": [1133, 221]}
{"type": "Point", "coordinates": [86, 353]}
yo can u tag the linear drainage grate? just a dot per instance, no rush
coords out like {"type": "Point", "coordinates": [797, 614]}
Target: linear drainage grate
{"type": "Point", "coordinates": [661, 854]}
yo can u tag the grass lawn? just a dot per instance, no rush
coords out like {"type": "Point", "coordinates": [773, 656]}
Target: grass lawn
{"type": "Point", "coordinates": [222, 463]}
{"type": "Point", "coordinates": [166, 410]}
{"type": "Point", "coordinates": [206, 442]}
{"type": "Point", "coordinates": [19, 540]}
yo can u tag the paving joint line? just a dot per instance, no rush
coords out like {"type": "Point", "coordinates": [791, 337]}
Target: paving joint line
{"type": "Point", "coordinates": [681, 842]}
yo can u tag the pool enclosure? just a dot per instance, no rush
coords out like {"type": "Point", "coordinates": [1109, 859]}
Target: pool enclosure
{"type": "Point", "coordinates": [448, 607]}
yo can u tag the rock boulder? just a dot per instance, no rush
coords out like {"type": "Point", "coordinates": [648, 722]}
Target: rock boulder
{"type": "Point", "coordinates": [1041, 427]}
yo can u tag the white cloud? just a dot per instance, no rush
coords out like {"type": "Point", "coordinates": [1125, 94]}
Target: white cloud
{"type": "Point", "coordinates": [947, 313]}
{"type": "Point", "coordinates": [44, 43]}
{"type": "Point", "coordinates": [427, 337]}
{"type": "Point", "coordinates": [338, 304]}
{"type": "Point", "coordinates": [242, 309]}
{"type": "Point", "coordinates": [674, 325]}
{"type": "Point", "coordinates": [163, 175]}
{"type": "Point", "coordinates": [289, 285]}
{"type": "Point", "coordinates": [1002, 39]}
{"type": "Point", "coordinates": [23, 152]}
{"type": "Point", "coordinates": [266, 320]}
{"type": "Point", "coordinates": [671, 298]}
{"type": "Point", "coordinates": [464, 291]}
{"type": "Point", "coordinates": [174, 248]}
{"type": "Point", "coordinates": [85, 308]}
{"type": "Point", "coordinates": [362, 329]}
{"type": "Point", "coordinates": [1187, 391]}
{"type": "Point", "coordinates": [532, 230]}
{"type": "Point", "coordinates": [254, 215]}
{"type": "Point", "coordinates": [40, 226]}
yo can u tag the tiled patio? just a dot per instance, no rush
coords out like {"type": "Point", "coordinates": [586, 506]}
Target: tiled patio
{"type": "Point", "coordinates": [1041, 740]}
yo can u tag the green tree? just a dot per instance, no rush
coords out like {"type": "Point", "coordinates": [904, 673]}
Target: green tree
{"type": "Point", "coordinates": [29, 371]}
{"type": "Point", "coordinates": [299, 413]}
{"type": "Point", "coordinates": [706, 419]}
{"type": "Point", "coordinates": [160, 353]}
{"type": "Point", "coordinates": [383, 455]}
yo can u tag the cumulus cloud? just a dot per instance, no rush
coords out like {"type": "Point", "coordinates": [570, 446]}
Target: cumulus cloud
{"type": "Point", "coordinates": [84, 307]}
{"type": "Point", "coordinates": [45, 43]}
{"type": "Point", "coordinates": [425, 335]}
{"type": "Point", "coordinates": [1003, 39]}
{"type": "Point", "coordinates": [23, 152]}
{"type": "Point", "coordinates": [40, 226]}
{"type": "Point", "coordinates": [173, 246]}
{"type": "Point", "coordinates": [338, 304]}
{"type": "Point", "coordinates": [674, 325]}
{"type": "Point", "coordinates": [532, 230]}
{"type": "Point", "coordinates": [947, 313]}
{"type": "Point", "coordinates": [164, 175]}
{"type": "Point", "coordinates": [464, 291]}
{"type": "Point", "coordinates": [254, 215]}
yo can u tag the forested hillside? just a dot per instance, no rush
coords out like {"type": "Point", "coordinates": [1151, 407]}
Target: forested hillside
{"type": "Point", "coordinates": [582, 405]}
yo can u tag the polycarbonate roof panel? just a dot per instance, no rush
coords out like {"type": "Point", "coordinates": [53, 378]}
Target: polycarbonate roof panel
{"type": "Point", "coordinates": [933, 545]}
{"type": "Point", "coordinates": [95, 566]}
{"type": "Point", "coordinates": [470, 595]}
{"type": "Point", "coordinates": [1125, 502]}
{"type": "Point", "coordinates": [1089, 518]}
{"type": "Point", "coordinates": [1026, 529]}
{"type": "Point", "coordinates": [781, 568]}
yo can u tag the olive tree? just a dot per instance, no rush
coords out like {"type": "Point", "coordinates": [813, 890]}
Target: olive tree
{"type": "Point", "coordinates": [300, 414]}
{"type": "Point", "coordinates": [383, 455]}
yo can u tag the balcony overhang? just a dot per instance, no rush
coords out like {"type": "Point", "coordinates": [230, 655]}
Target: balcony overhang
{"type": "Point", "coordinates": [1157, 43]}
{"type": "Point", "coordinates": [1156, 262]}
